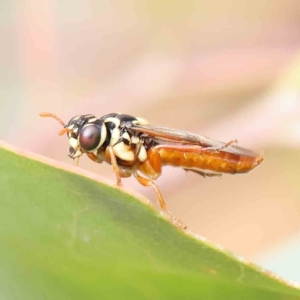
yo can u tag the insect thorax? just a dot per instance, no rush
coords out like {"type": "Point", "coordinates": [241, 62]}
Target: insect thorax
{"type": "Point", "coordinates": [127, 144]}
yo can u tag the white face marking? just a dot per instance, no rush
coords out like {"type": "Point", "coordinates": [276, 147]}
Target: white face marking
{"type": "Point", "coordinates": [142, 156]}
{"type": "Point", "coordinates": [73, 143]}
{"type": "Point", "coordinates": [135, 140]}
{"type": "Point", "coordinates": [116, 121]}
{"type": "Point", "coordinates": [75, 130]}
{"type": "Point", "coordinates": [115, 136]}
{"type": "Point", "coordinates": [140, 121]}
{"type": "Point", "coordinates": [71, 126]}
{"type": "Point", "coordinates": [123, 152]}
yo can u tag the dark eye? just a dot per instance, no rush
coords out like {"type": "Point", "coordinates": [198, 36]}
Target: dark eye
{"type": "Point", "coordinates": [89, 137]}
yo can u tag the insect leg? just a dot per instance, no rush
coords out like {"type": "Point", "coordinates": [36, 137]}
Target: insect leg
{"type": "Point", "coordinates": [221, 147]}
{"type": "Point", "coordinates": [76, 161]}
{"type": "Point", "coordinates": [93, 157]}
{"type": "Point", "coordinates": [115, 165]}
{"type": "Point", "coordinates": [203, 174]}
{"type": "Point", "coordinates": [147, 182]}
{"type": "Point", "coordinates": [231, 142]}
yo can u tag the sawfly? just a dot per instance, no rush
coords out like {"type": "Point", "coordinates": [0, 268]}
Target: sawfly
{"type": "Point", "coordinates": [134, 147]}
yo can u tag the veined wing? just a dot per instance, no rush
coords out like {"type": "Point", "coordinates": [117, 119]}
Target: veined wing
{"type": "Point", "coordinates": [170, 135]}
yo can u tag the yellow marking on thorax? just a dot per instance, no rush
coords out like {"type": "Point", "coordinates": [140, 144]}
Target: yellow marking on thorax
{"type": "Point", "coordinates": [124, 152]}
{"type": "Point", "coordinates": [126, 136]}
{"type": "Point", "coordinates": [135, 140]}
{"type": "Point", "coordinates": [115, 136]}
{"type": "Point", "coordinates": [116, 121]}
{"type": "Point", "coordinates": [142, 155]}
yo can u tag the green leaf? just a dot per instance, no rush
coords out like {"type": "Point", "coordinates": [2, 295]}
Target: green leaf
{"type": "Point", "coordinates": [65, 236]}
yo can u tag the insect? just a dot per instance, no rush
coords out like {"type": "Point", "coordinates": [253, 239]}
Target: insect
{"type": "Point", "coordinates": [134, 147]}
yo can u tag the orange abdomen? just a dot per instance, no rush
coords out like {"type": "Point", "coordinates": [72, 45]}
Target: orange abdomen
{"type": "Point", "coordinates": [217, 161]}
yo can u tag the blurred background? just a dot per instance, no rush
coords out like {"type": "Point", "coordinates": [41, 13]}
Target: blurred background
{"type": "Point", "coordinates": [225, 69]}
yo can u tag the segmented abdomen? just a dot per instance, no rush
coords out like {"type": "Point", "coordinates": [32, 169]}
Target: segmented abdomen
{"type": "Point", "coordinates": [217, 161]}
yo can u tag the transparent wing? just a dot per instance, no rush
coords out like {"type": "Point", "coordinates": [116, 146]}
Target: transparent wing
{"type": "Point", "coordinates": [163, 135]}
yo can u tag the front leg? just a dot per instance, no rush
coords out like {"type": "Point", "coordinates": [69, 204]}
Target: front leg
{"type": "Point", "coordinates": [110, 157]}
{"type": "Point", "coordinates": [94, 157]}
{"type": "Point", "coordinates": [114, 163]}
{"type": "Point", "coordinates": [76, 161]}
{"type": "Point", "coordinates": [98, 159]}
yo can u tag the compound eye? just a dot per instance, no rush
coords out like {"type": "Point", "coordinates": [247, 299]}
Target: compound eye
{"type": "Point", "coordinates": [90, 137]}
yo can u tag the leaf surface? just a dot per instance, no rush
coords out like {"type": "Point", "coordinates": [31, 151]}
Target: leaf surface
{"type": "Point", "coordinates": [65, 236]}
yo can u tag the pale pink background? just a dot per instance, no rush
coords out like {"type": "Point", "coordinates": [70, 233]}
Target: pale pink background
{"type": "Point", "coordinates": [225, 69]}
